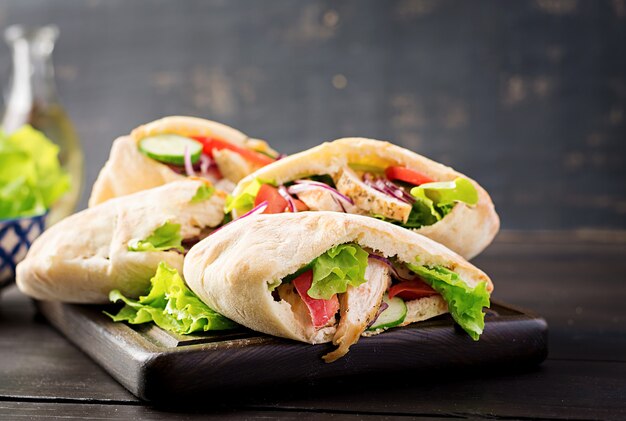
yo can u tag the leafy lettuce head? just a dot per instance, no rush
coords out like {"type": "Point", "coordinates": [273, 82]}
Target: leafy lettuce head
{"type": "Point", "coordinates": [31, 178]}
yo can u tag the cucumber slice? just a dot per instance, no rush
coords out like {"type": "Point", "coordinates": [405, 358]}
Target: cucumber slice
{"type": "Point", "coordinates": [170, 148]}
{"type": "Point", "coordinates": [392, 315]}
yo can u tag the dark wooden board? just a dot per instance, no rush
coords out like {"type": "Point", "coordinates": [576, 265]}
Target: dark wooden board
{"type": "Point", "coordinates": [584, 376]}
{"type": "Point", "coordinates": [156, 365]}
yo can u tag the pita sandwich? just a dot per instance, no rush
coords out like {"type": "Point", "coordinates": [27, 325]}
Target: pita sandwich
{"type": "Point", "coordinates": [119, 244]}
{"type": "Point", "coordinates": [380, 180]}
{"type": "Point", "coordinates": [173, 148]}
{"type": "Point", "coordinates": [324, 276]}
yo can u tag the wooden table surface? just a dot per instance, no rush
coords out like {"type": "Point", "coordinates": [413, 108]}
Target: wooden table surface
{"type": "Point", "coordinates": [576, 280]}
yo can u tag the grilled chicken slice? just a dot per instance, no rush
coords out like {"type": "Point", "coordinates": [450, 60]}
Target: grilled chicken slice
{"type": "Point", "coordinates": [359, 307]}
{"type": "Point", "coordinates": [323, 200]}
{"type": "Point", "coordinates": [225, 185]}
{"type": "Point", "coordinates": [369, 199]}
{"type": "Point", "coordinates": [233, 166]}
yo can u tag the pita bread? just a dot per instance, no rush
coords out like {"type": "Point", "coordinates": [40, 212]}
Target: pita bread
{"type": "Point", "coordinates": [466, 229]}
{"type": "Point", "coordinates": [232, 270]}
{"type": "Point", "coordinates": [83, 257]}
{"type": "Point", "coordinates": [128, 170]}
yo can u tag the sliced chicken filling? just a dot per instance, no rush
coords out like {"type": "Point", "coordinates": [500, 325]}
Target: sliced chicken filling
{"type": "Point", "coordinates": [320, 200]}
{"type": "Point", "coordinates": [345, 316]}
{"type": "Point", "coordinates": [233, 166]}
{"type": "Point", "coordinates": [368, 199]}
{"type": "Point", "coordinates": [365, 199]}
{"type": "Point", "coordinates": [358, 308]}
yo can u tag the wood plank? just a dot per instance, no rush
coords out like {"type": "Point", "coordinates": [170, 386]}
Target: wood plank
{"type": "Point", "coordinates": [36, 361]}
{"type": "Point", "coordinates": [560, 389]}
{"type": "Point", "coordinates": [576, 284]}
{"type": "Point", "coordinates": [91, 411]}
{"type": "Point", "coordinates": [557, 390]}
{"type": "Point", "coordinates": [176, 368]}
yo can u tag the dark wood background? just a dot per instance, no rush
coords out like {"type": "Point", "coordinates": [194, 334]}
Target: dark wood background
{"type": "Point", "coordinates": [528, 97]}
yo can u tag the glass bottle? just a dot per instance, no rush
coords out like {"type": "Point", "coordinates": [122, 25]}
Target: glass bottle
{"type": "Point", "coordinates": [32, 99]}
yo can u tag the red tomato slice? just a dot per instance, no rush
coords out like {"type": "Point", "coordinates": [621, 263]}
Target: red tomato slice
{"type": "Point", "coordinates": [321, 310]}
{"type": "Point", "coordinates": [300, 205]}
{"type": "Point", "coordinates": [411, 290]}
{"type": "Point", "coordinates": [215, 172]}
{"type": "Point", "coordinates": [407, 175]}
{"type": "Point", "coordinates": [275, 202]}
{"type": "Point", "coordinates": [211, 143]}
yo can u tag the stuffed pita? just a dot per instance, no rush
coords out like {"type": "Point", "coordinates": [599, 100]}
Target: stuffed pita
{"type": "Point", "coordinates": [380, 180]}
{"type": "Point", "coordinates": [173, 148]}
{"type": "Point", "coordinates": [119, 244]}
{"type": "Point", "coordinates": [324, 276]}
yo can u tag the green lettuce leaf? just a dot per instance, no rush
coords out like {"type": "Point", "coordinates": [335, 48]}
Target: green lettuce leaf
{"type": "Point", "coordinates": [171, 305]}
{"type": "Point", "coordinates": [464, 303]}
{"type": "Point", "coordinates": [422, 214]}
{"type": "Point", "coordinates": [447, 192]}
{"type": "Point", "coordinates": [166, 237]}
{"type": "Point", "coordinates": [339, 267]}
{"type": "Point", "coordinates": [31, 178]}
{"type": "Point", "coordinates": [245, 200]}
{"type": "Point", "coordinates": [322, 178]}
{"type": "Point", "coordinates": [204, 192]}
{"type": "Point", "coordinates": [436, 200]}
{"type": "Point", "coordinates": [18, 199]}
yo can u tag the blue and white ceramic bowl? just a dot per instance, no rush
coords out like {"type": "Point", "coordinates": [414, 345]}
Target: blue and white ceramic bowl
{"type": "Point", "coordinates": [16, 236]}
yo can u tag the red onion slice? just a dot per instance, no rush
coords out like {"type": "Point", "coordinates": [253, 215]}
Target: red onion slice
{"type": "Point", "coordinates": [205, 163]}
{"type": "Point", "coordinates": [391, 267]}
{"type": "Point", "coordinates": [285, 194]}
{"type": "Point", "coordinates": [306, 185]}
{"type": "Point", "coordinates": [338, 202]}
{"type": "Point", "coordinates": [188, 165]}
{"type": "Point", "coordinates": [395, 190]}
{"type": "Point", "coordinates": [260, 208]}
{"type": "Point", "coordinates": [387, 187]}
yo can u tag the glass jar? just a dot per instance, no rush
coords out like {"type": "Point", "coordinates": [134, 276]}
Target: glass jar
{"type": "Point", "coordinates": [31, 98]}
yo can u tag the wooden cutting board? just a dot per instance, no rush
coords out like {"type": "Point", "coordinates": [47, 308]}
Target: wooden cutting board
{"type": "Point", "coordinates": [156, 365]}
